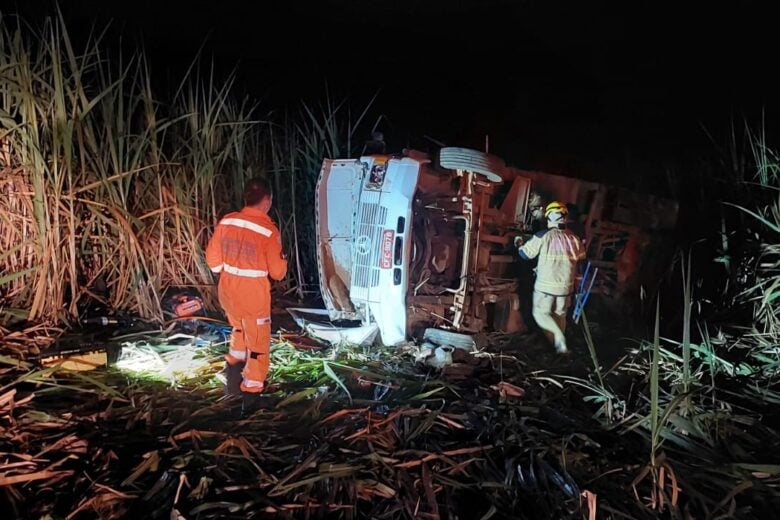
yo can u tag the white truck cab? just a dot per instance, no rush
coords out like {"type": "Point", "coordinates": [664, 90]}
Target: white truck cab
{"type": "Point", "coordinates": [405, 244]}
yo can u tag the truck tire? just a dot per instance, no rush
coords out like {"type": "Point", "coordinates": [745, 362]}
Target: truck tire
{"type": "Point", "coordinates": [485, 164]}
{"type": "Point", "coordinates": [445, 337]}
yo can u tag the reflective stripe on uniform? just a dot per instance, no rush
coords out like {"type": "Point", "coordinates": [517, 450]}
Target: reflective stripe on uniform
{"type": "Point", "coordinates": [251, 383]}
{"type": "Point", "coordinates": [238, 354]}
{"type": "Point", "coordinates": [217, 269]}
{"type": "Point", "coordinates": [263, 321]}
{"type": "Point", "coordinates": [246, 224]}
{"type": "Point", "coordinates": [246, 273]}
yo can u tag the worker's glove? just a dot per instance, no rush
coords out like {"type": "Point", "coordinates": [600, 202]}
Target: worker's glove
{"type": "Point", "coordinates": [518, 241]}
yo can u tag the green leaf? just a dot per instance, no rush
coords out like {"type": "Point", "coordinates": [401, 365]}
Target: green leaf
{"type": "Point", "coordinates": [361, 372]}
{"type": "Point", "coordinates": [655, 408]}
{"type": "Point", "coordinates": [427, 394]}
{"type": "Point", "coordinates": [8, 360]}
{"type": "Point", "coordinates": [758, 217]}
{"type": "Point", "coordinates": [297, 397]}
{"type": "Point", "coordinates": [491, 512]}
{"type": "Point", "coordinates": [772, 469]}
{"type": "Point", "coordinates": [105, 388]}
{"type": "Point", "coordinates": [13, 276]}
{"type": "Point", "coordinates": [6, 254]}
{"type": "Point", "coordinates": [13, 314]}
{"type": "Point", "coordinates": [331, 374]}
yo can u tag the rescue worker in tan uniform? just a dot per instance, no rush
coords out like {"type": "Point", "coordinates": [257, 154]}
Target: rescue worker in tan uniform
{"type": "Point", "coordinates": [558, 250]}
{"type": "Point", "coordinates": [246, 249]}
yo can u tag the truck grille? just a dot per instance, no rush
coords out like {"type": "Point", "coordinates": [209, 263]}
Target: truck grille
{"type": "Point", "coordinates": [368, 245]}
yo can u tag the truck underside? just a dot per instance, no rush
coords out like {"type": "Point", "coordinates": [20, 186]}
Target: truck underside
{"type": "Point", "coordinates": [406, 244]}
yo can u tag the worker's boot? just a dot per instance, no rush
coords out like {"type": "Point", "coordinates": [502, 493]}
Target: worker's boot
{"type": "Point", "coordinates": [250, 402]}
{"type": "Point", "coordinates": [233, 376]}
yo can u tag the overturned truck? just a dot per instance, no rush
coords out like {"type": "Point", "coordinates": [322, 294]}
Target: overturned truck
{"type": "Point", "coordinates": [411, 242]}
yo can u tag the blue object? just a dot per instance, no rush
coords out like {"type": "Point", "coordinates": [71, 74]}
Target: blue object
{"type": "Point", "coordinates": [223, 331]}
{"type": "Point", "coordinates": [583, 295]}
{"type": "Point", "coordinates": [584, 277]}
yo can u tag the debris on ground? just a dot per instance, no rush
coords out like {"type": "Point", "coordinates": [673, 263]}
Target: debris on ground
{"type": "Point", "coordinates": [346, 432]}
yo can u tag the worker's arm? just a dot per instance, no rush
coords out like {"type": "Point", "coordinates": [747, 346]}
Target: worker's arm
{"type": "Point", "coordinates": [275, 257]}
{"type": "Point", "coordinates": [214, 251]}
{"type": "Point", "coordinates": [530, 249]}
{"type": "Point", "coordinates": [581, 251]}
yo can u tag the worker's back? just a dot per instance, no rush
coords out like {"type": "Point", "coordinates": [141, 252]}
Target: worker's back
{"type": "Point", "coordinates": [246, 250]}
{"type": "Point", "coordinates": [558, 251]}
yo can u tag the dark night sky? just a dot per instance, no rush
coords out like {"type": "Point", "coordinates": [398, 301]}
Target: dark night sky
{"type": "Point", "coordinates": [577, 87]}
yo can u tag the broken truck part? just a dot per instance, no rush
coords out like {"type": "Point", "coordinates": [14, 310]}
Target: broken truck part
{"type": "Point", "coordinates": [412, 242]}
{"type": "Point", "coordinates": [409, 244]}
{"type": "Point", "coordinates": [317, 323]}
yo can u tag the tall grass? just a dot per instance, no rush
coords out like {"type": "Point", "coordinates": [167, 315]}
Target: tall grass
{"type": "Point", "coordinates": [108, 192]}
{"type": "Point", "coordinates": [686, 332]}
{"type": "Point", "coordinates": [297, 145]}
{"type": "Point", "coordinates": [655, 405]}
{"type": "Point", "coordinates": [705, 406]}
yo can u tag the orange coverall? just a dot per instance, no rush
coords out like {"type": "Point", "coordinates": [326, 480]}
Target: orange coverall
{"type": "Point", "coordinates": [246, 249]}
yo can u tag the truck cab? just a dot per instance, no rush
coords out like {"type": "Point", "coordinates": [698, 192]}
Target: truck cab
{"type": "Point", "coordinates": [408, 243]}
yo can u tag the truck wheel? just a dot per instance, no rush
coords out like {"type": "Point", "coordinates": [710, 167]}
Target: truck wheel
{"type": "Point", "coordinates": [445, 337]}
{"type": "Point", "coordinates": [487, 165]}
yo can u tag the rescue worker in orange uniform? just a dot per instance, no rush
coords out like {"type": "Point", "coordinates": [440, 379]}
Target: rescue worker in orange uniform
{"type": "Point", "coordinates": [246, 249]}
{"type": "Point", "coordinates": [558, 250]}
